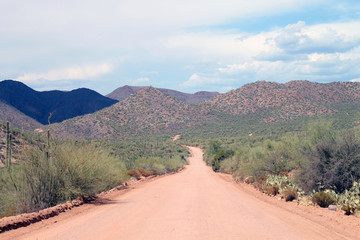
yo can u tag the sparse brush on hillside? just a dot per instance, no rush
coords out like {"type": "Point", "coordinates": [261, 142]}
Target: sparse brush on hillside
{"type": "Point", "coordinates": [160, 165]}
{"type": "Point", "coordinates": [132, 150]}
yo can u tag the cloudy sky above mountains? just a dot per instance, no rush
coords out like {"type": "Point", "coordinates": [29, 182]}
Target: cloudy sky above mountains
{"type": "Point", "coordinates": [188, 45]}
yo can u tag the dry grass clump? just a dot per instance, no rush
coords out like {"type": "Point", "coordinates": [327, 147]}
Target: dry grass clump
{"type": "Point", "coordinates": [260, 182]}
{"type": "Point", "coordinates": [249, 180]}
{"type": "Point", "coordinates": [270, 190]}
{"type": "Point", "coordinates": [138, 173]}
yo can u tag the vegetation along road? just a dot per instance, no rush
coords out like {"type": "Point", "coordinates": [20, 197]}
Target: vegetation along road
{"type": "Point", "coordinates": [193, 204]}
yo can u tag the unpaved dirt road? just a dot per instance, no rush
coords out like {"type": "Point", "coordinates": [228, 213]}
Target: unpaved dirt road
{"type": "Point", "coordinates": [193, 204]}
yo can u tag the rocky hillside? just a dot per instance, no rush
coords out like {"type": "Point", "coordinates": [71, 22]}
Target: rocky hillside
{"type": "Point", "coordinates": [17, 118]}
{"type": "Point", "coordinates": [152, 111]}
{"type": "Point", "coordinates": [149, 111]}
{"type": "Point", "coordinates": [125, 91]}
{"type": "Point", "coordinates": [63, 105]}
{"type": "Point", "coordinates": [19, 142]}
{"type": "Point", "coordinates": [275, 101]}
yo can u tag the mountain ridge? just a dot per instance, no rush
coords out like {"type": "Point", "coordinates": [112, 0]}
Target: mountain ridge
{"type": "Point", "coordinates": [148, 111]}
{"type": "Point", "coordinates": [125, 91]}
{"type": "Point", "coordinates": [151, 111]}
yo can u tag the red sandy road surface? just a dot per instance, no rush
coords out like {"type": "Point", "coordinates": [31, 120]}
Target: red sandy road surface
{"type": "Point", "coordinates": [193, 204]}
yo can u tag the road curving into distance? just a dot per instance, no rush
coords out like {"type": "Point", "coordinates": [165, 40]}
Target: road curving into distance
{"type": "Point", "coordinates": [193, 204]}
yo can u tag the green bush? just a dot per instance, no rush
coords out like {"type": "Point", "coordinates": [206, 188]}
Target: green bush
{"type": "Point", "coordinates": [219, 157]}
{"type": "Point", "coordinates": [323, 199]}
{"type": "Point", "coordinates": [265, 157]}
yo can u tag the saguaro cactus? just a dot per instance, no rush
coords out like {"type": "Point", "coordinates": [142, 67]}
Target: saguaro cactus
{"type": "Point", "coordinates": [48, 145]}
{"type": "Point", "coordinates": [8, 153]}
{"type": "Point", "coordinates": [8, 145]}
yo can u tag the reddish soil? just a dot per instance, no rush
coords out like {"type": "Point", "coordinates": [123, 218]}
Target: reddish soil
{"type": "Point", "coordinates": [193, 204]}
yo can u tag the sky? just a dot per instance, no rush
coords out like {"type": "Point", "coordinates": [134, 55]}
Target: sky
{"type": "Point", "coordinates": [187, 45]}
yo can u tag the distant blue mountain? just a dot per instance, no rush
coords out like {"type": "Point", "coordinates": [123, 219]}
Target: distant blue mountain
{"type": "Point", "coordinates": [61, 104]}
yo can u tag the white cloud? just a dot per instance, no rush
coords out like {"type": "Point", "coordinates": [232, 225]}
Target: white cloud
{"type": "Point", "coordinates": [220, 45]}
{"type": "Point", "coordinates": [142, 80]}
{"type": "Point", "coordinates": [316, 67]}
{"type": "Point", "coordinates": [355, 80]}
{"type": "Point", "coordinates": [196, 80]}
{"type": "Point", "coordinates": [325, 52]}
{"type": "Point", "coordinates": [299, 38]}
{"type": "Point", "coordinates": [294, 42]}
{"type": "Point", "coordinates": [74, 73]}
{"type": "Point", "coordinates": [260, 69]}
{"type": "Point", "coordinates": [209, 83]}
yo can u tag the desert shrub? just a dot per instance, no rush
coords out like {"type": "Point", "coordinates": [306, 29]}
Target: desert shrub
{"type": "Point", "coordinates": [173, 164]}
{"type": "Point", "coordinates": [229, 165]}
{"type": "Point", "coordinates": [213, 147]}
{"type": "Point", "coordinates": [134, 173]}
{"type": "Point", "coordinates": [332, 164]}
{"type": "Point", "coordinates": [215, 154]}
{"type": "Point", "coordinates": [146, 173]}
{"type": "Point", "coordinates": [323, 199]}
{"type": "Point", "coordinates": [70, 170]}
{"type": "Point", "coordinates": [268, 157]}
{"type": "Point", "coordinates": [219, 157]}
